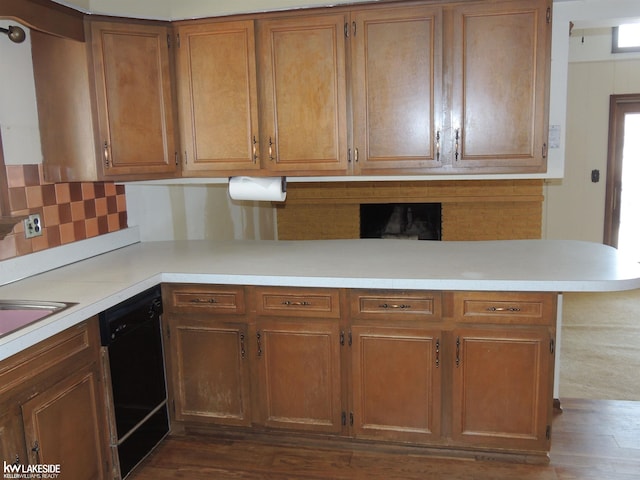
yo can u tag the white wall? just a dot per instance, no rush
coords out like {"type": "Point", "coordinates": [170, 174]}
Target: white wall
{"type": "Point", "coordinates": [196, 212]}
{"type": "Point", "coordinates": [18, 112]}
{"type": "Point", "coordinates": [574, 206]}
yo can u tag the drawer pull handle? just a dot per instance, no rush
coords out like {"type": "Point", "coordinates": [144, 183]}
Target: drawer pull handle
{"type": "Point", "coordinates": [294, 304]}
{"type": "Point", "coordinates": [503, 309]}
{"type": "Point", "coordinates": [395, 305]}
{"type": "Point", "coordinates": [259, 338]}
{"type": "Point", "coordinates": [271, 150]}
{"type": "Point", "coordinates": [243, 351]}
{"type": "Point", "coordinates": [254, 150]}
{"type": "Point", "coordinates": [205, 300]}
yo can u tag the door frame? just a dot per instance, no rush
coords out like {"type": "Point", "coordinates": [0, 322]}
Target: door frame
{"type": "Point", "coordinates": [619, 105]}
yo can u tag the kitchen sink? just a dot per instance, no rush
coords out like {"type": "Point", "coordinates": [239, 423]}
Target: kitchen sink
{"type": "Point", "coordinates": [16, 314]}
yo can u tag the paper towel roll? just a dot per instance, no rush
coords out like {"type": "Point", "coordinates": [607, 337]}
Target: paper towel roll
{"type": "Point", "coordinates": [260, 189]}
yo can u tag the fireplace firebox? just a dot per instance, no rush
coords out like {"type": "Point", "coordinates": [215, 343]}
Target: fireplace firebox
{"type": "Point", "coordinates": [414, 221]}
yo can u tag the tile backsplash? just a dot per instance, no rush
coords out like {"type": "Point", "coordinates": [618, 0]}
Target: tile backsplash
{"type": "Point", "coordinates": [69, 211]}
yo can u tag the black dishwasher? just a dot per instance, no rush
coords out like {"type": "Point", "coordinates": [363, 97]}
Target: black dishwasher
{"type": "Point", "coordinates": [132, 334]}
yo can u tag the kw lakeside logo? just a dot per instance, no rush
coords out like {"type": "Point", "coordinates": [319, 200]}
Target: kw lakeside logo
{"type": "Point", "coordinates": [18, 470]}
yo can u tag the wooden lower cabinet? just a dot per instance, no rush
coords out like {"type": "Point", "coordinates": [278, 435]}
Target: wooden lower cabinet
{"type": "Point", "coordinates": [464, 372]}
{"type": "Point", "coordinates": [211, 372]}
{"type": "Point", "coordinates": [12, 442]}
{"type": "Point", "coordinates": [502, 393]}
{"type": "Point", "coordinates": [396, 380]}
{"type": "Point", "coordinates": [52, 404]}
{"type": "Point", "coordinates": [207, 354]}
{"type": "Point", "coordinates": [298, 374]}
{"type": "Point", "coordinates": [63, 426]}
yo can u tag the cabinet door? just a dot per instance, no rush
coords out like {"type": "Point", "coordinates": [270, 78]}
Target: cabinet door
{"type": "Point", "coordinates": [397, 89]}
{"type": "Point", "coordinates": [66, 118]}
{"type": "Point", "coordinates": [502, 387]}
{"type": "Point", "coordinates": [211, 372]}
{"type": "Point", "coordinates": [298, 367]}
{"type": "Point", "coordinates": [12, 447]}
{"type": "Point", "coordinates": [303, 94]}
{"type": "Point", "coordinates": [78, 446]}
{"type": "Point", "coordinates": [218, 97]}
{"type": "Point", "coordinates": [134, 98]}
{"type": "Point", "coordinates": [501, 68]}
{"type": "Point", "coordinates": [396, 383]}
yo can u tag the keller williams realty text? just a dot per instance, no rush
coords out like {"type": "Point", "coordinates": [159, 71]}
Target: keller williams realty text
{"type": "Point", "coordinates": [12, 470]}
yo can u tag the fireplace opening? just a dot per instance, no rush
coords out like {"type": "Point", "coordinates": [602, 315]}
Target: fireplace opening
{"type": "Point", "coordinates": [414, 221]}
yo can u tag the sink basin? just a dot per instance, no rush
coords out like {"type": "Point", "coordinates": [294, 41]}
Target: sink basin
{"type": "Point", "coordinates": [16, 314]}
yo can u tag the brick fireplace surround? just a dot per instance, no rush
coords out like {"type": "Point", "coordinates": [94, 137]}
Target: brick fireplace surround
{"type": "Point", "coordinates": [471, 209]}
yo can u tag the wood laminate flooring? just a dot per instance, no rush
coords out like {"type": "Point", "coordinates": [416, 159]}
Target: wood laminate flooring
{"type": "Point", "coordinates": [592, 440]}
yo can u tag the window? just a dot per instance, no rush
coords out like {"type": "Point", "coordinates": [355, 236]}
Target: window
{"type": "Point", "coordinates": [626, 38]}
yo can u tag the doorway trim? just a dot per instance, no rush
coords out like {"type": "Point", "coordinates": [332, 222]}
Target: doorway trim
{"type": "Point", "coordinates": [619, 106]}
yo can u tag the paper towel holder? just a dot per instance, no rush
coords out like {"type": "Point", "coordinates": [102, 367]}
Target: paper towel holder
{"type": "Point", "coordinates": [258, 188]}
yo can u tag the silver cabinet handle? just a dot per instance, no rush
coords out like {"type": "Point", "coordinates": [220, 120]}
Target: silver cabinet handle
{"type": "Point", "coordinates": [255, 150]}
{"type": "Point", "coordinates": [204, 300]}
{"type": "Point", "coordinates": [106, 154]}
{"type": "Point", "coordinates": [271, 149]}
{"type": "Point", "coordinates": [395, 305]}
{"type": "Point", "coordinates": [290, 303]}
{"type": "Point", "coordinates": [503, 309]}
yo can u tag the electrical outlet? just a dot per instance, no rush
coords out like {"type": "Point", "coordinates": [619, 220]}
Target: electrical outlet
{"type": "Point", "coordinates": [33, 226]}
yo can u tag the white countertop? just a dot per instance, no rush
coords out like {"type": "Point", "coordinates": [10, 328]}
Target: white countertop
{"type": "Point", "coordinates": [104, 280]}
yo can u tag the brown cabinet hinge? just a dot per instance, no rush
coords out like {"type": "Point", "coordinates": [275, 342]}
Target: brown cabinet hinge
{"type": "Point", "coordinates": [548, 432]}
{"type": "Point", "coordinates": [548, 14]}
{"type": "Point", "coordinates": [552, 346]}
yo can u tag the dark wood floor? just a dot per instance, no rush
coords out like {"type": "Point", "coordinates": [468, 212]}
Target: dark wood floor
{"type": "Point", "coordinates": [592, 440]}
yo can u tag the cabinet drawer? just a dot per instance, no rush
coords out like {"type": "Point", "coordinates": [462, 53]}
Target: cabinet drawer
{"type": "Point", "coordinates": [298, 302]}
{"type": "Point", "coordinates": [379, 304]}
{"type": "Point", "coordinates": [196, 298]}
{"type": "Point", "coordinates": [505, 307]}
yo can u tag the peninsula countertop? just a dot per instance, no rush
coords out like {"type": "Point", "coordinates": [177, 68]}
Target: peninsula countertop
{"type": "Point", "coordinates": [102, 281]}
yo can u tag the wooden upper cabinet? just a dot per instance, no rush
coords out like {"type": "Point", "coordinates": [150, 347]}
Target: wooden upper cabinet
{"type": "Point", "coordinates": [218, 97]}
{"type": "Point", "coordinates": [134, 98]}
{"type": "Point", "coordinates": [397, 89]}
{"type": "Point", "coordinates": [301, 65]}
{"type": "Point", "coordinates": [500, 85]}
{"type": "Point", "coordinates": [105, 107]}
{"type": "Point", "coordinates": [66, 109]}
